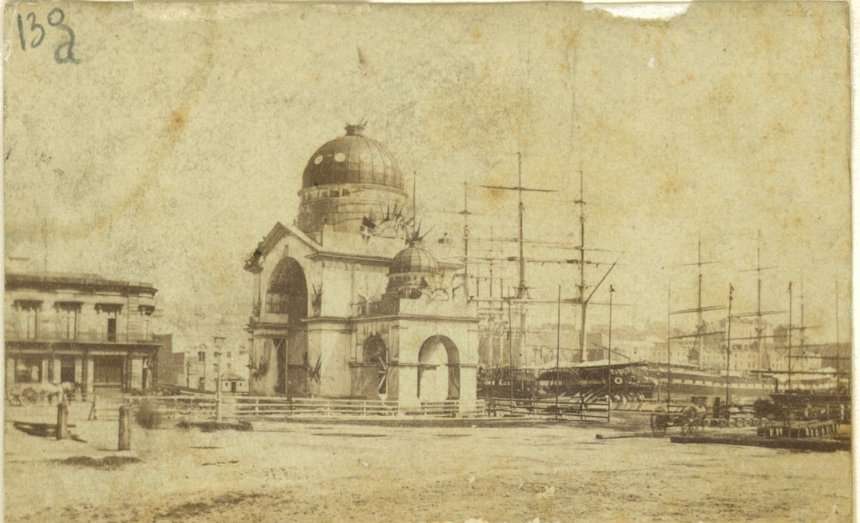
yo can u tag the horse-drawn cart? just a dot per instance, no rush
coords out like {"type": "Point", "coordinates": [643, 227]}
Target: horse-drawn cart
{"type": "Point", "coordinates": [691, 419]}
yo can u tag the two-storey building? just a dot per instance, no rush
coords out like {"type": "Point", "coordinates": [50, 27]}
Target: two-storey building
{"type": "Point", "coordinates": [79, 328]}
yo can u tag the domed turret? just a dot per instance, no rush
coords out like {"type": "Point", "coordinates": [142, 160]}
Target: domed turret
{"type": "Point", "coordinates": [411, 271]}
{"type": "Point", "coordinates": [346, 180]}
{"type": "Point", "coordinates": [352, 158]}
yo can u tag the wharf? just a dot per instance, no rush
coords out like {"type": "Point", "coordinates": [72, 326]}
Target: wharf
{"type": "Point", "coordinates": [813, 444]}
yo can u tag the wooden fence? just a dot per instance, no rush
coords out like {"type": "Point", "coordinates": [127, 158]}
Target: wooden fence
{"type": "Point", "coordinates": [577, 409]}
{"type": "Point", "coordinates": [203, 407]}
{"type": "Point", "coordinates": [184, 407]}
{"type": "Point", "coordinates": [262, 407]}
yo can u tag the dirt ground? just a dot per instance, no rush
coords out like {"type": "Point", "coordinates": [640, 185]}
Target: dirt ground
{"type": "Point", "coordinates": [310, 472]}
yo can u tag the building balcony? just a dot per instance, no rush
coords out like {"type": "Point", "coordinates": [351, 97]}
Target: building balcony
{"type": "Point", "coordinates": [82, 338]}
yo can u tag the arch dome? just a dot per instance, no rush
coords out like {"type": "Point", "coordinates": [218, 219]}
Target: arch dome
{"type": "Point", "coordinates": [352, 158]}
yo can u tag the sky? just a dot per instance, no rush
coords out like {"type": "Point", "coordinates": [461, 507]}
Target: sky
{"type": "Point", "coordinates": [179, 138]}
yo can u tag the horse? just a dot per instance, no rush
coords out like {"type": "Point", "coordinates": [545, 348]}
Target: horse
{"type": "Point", "coordinates": [21, 393]}
{"type": "Point", "coordinates": [693, 418]}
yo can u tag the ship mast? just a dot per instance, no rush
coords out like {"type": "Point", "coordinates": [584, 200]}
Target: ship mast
{"type": "Point", "coordinates": [790, 328]}
{"type": "Point", "coordinates": [493, 248]}
{"type": "Point", "coordinates": [522, 288]}
{"type": "Point", "coordinates": [669, 347]}
{"type": "Point", "coordinates": [759, 324]}
{"type": "Point", "coordinates": [729, 350]}
{"type": "Point", "coordinates": [759, 314]}
{"type": "Point", "coordinates": [521, 293]}
{"type": "Point", "coordinates": [699, 309]}
{"type": "Point", "coordinates": [581, 286]}
{"type": "Point", "coordinates": [838, 349]}
{"type": "Point", "coordinates": [802, 320]}
{"type": "Point", "coordinates": [582, 262]}
{"type": "Point", "coordinates": [465, 213]}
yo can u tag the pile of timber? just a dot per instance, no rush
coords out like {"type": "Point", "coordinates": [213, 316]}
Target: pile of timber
{"type": "Point", "coordinates": [802, 429]}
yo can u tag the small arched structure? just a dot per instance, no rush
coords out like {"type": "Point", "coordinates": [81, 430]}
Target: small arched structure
{"type": "Point", "coordinates": [376, 361]}
{"type": "Point", "coordinates": [438, 369]}
{"type": "Point", "coordinates": [288, 291]}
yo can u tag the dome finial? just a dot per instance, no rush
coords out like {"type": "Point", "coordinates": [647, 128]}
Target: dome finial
{"type": "Point", "coordinates": [353, 129]}
{"type": "Point", "coordinates": [414, 237]}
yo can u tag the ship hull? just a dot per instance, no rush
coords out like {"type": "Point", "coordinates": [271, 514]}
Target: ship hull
{"type": "Point", "coordinates": [638, 382]}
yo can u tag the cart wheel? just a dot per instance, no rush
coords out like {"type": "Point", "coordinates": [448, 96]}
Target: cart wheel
{"type": "Point", "coordinates": [659, 422]}
{"type": "Point", "coordinates": [30, 395]}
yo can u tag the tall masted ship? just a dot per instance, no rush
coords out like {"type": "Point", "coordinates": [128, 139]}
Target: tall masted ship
{"type": "Point", "coordinates": [635, 382]}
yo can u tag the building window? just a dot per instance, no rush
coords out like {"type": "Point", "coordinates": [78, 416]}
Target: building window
{"type": "Point", "coordinates": [28, 318]}
{"type": "Point", "coordinates": [69, 314]}
{"type": "Point", "coordinates": [70, 323]}
{"type": "Point", "coordinates": [145, 315]}
{"type": "Point", "coordinates": [201, 356]}
{"type": "Point", "coordinates": [111, 329]}
{"type": "Point", "coordinates": [112, 311]}
{"type": "Point", "coordinates": [28, 370]}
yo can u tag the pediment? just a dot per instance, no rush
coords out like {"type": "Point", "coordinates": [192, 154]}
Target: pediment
{"type": "Point", "coordinates": [273, 239]}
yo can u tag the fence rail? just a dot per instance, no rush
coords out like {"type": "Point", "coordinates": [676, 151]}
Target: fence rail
{"type": "Point", "coordinates": [203, 407]}
{"type": "Point", "coordinates": [250, 407]}
{"type": "Point", "coordinates": [581, 409]}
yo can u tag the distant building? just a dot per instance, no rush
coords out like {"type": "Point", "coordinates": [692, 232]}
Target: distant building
{"type": "Point", "coordinates": [79, 328]}
{"type": "Point", "coordinates": [203, 362]}
{"type": "Point", "coordinates": [170, 369]}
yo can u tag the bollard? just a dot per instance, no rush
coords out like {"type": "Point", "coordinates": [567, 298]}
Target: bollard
{"type": "Point", "coordinates": [124, 429]}
{"type": "Point", "coordinates": [62, 420]}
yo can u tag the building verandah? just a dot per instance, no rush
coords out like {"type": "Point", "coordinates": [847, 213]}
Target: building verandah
{"type": "Point", "coordinates": [91, 369]}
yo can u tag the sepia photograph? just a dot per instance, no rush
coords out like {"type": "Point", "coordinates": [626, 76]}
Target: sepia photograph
{"type": "Point", "coordinates": [372, 262]}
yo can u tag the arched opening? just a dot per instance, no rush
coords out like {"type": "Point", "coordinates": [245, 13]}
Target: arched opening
{"type": "Point", "coordinates": [375, 358]}
{"type": "Point", "coordinates": [287, 294]}
{"type": "Point", "coordinates": [288, 291]}
{"type": "Point", "coordinates": [438, 370]}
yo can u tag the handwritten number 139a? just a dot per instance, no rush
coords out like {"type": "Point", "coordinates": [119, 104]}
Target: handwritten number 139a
{"type": "Point", "coordinates": [65, 52]}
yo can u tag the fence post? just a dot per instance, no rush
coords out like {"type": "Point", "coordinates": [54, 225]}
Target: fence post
{"type": "Point", "coordinates": [62, 420]}
{"type": "Point", "coordinates": [124, 437]}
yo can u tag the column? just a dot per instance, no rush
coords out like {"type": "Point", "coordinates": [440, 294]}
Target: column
{"type": "Point", "coordinates": [46, 363]}
{"type": "Point", "coordinates": [126, 373]}
{"type": "Point", "coordinates": [468, 387]}
{"type": "Point", "coordinates": [79, 371]}
{"type": "Point", "coordinates": [407, 385]}
{"type": "Point", "coordinates": [136, 378]}
{"type": "Point", "coordinates": [10, 373]}
{"type": "Point", "coordinates": [57, 366]}
{"type": "Point", "coordinates": [89, 377]}
{"type": "Point", "coordinates": [286, 369]}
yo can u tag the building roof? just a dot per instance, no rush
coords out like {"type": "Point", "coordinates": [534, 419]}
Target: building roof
{"type": "Point", "coordinates": [231, 376]}
{"type": "Point", "coordinates": [413, 259]}
{"type": "Point", "coordinates": [352, 158]}
{"type": "Point", "coordinates": [82, 281]}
